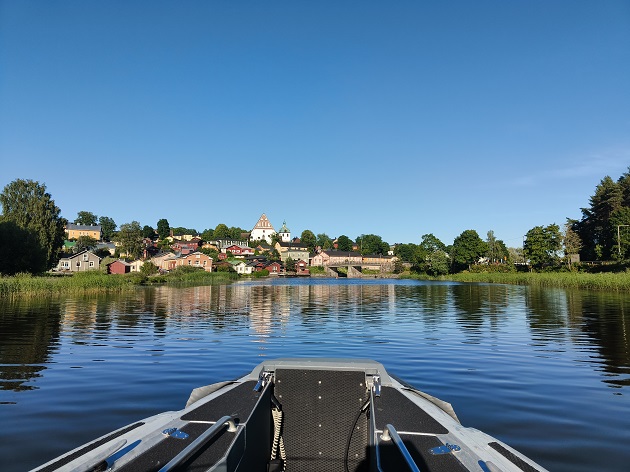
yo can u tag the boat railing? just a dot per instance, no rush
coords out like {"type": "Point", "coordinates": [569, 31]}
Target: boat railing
{"type": "Point", "coordinates": [198, 443]}
{"type": "Point", "coordinates": [390, 434]}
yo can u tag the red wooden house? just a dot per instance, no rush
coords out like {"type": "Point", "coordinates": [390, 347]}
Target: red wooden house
{"type": "Point", "coordinates": [240, 250]}
{"type": "Point", "coordinates": [274, 268]}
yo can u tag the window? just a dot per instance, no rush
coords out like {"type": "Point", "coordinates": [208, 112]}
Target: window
{"type": "Point", "coordinates": [91, 263]}
{"type": "Point", "coordinates": [85, 257]}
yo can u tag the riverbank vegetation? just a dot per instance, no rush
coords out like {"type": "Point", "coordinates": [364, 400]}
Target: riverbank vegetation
{"type": "Point", "coordinates": [31, 237]}
{"type": "Point", "coordinates": [577, 280]}
{"type": "Point", "coordinates": [98, 282]}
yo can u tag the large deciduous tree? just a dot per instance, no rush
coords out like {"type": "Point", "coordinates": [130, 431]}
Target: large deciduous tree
{"type": "Point", "coordinates": [85, 242]}
{"type": "Point", "coordinates": [222, 232]}
{"type": "Point", "coordinates": [309, 239]}
{"type": "Point", "coordinates": [405, 252]}
{"type": "Point", "coordinates": [86, 218]}
{"type": "Point", "coordinates": [130, 238]}
{"type": "Point", "coordinates": [324, 241]}
{"type": "Point", "coordinates": [344, 243]}
{"type": "Point", "coordinates": [108, 227]}
{"type": "Point", "coordinates": [29, 209]}
{"type": "Point", "coordinates": [542, 246]}
{"type": "Point", "coordinates": [372, 244]}
{"type": "Point", "coordinates": [148, 232]}
{"type": "Point", "coordinates": [467, 248]}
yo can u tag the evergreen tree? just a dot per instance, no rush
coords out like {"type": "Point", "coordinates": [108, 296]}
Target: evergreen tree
{"type": "Point", "coordinates": [163, 228]}
{"type": "Point", "coordinates": [595, 229]}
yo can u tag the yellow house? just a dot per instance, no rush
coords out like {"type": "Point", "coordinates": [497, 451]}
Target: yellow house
{"type": "Point", "coordinates": [75, 231]}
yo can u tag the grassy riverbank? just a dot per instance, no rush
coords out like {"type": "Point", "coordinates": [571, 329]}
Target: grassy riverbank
{"type": "Point", "coordinates": [97, 282]}
{"type": "Point", "coordinates": [600, 281]}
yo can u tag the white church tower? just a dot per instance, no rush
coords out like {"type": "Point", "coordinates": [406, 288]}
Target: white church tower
{"type": "Point", "coordinates": [285, 233]}
{"type": "Point", "coordinates": [263, 231]}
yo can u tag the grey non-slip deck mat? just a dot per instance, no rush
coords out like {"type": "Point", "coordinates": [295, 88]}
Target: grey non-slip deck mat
{"type": "Point", "coordinates": [237, 402]}
{"type": "Point", "coordinates": [392, 407]}
{"type": "Point", "coordinates": [84, 450]}
{"type": "Point", "coordinates": [320, 408]}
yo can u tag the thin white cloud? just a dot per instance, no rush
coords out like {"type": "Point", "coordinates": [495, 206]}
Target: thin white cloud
{"type": "Point", "coordinates": [598, 165]}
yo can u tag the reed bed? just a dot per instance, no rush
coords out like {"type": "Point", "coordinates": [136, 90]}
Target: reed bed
{"type": "Point", "coordinates": [98, 282]}
{"type": "Point", "coordinates": [92, 281]}
{"type": "Point", "coordinates": [600, 281]}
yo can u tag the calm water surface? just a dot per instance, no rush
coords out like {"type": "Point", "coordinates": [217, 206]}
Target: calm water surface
{"type": "Point", "coordinates": [545, 370]}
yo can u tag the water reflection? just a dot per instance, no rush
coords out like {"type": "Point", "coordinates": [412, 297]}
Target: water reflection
{"type": "Point", "coordinates": [591, 322]}
{"type": "Point", "coordinates": [28, 331]}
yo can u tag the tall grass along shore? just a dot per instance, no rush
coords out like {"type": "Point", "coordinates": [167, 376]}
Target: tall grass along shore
{"type": "Point", "coordinates": [97, 282]}
{"type": "Point", "coordinates": [619, 281]}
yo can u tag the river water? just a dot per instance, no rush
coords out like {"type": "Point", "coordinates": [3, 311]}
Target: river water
{"type": "Point", "coordinates": [545, 370]}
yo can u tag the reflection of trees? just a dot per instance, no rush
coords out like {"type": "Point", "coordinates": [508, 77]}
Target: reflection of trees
{"type": "Point", "coordinates": [557, 315]}
{"type": "Point", "coordinates": [28, 330]}
{"type": "Point", "coordinates": [606, 320]}
{"type": "Point", "coordinates": [547, 313]}
{"type": "Point", "coordinates": [476, 305]}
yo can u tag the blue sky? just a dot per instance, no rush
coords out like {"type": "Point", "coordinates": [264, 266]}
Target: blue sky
{"type": "Point", "coordinates": [393, 118]}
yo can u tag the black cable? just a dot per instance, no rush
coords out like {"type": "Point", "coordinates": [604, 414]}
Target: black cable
{"type": "Point", "coordinates": [356, 420]}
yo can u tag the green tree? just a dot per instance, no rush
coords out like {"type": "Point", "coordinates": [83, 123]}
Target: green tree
{"type": "Point", "coordinates": [344, 243]}
{"type": "Point", "coordinates": [210, 252]}
{"type": "Point", "coordinates": [275, 238]}
{"type": "Point", "coordinates": [324, 241]}
{"type": "Point", "coordinates": [27, 204]}
{"type": "Point", "coordinates": [431, 243]}
{"type": "Point", "coordinates": [308, 239]}
{"type": "Point", "coordinates": [437, 263]}
{"type": "Point", "coordinates": [207, 235]}
{"type": "Point", "coordinates": [236, 232]}
{"type": "Point", "coordinates": [467, 248]}
{"type": "Point", "coordinates": [372, 244]}
{"type": "Point", "coordinates": [85, 242]}
{"type": "Point", "coordinates": [571, 241]}
{"type": "Point", "coordinates": [405, 252]}
{"type": "Point", "coordinates": [620, 225]}
{"type": "Point", "coordinates": [149, 268]}
{"type": "Point", "coordinates": [595, 230]}
{"type": "Point", "coordinates": [289, 264]}
{"type": "Point", "coordinates": [130, 238]}
{"type": "Point", "coordinates": [180, 231]}
{"type": "Point", "coordinates": [20, 250]}
{"type": "Point", "coordinates": [86, 218]}
{"type": "Point", "coordinates": [163, 228]}
{"type": "Point", "coordinates": [148, 232]}
{"type": "Point", "coordinates": [108, 227]}
{"type": "Point", "coordinates": [497, 250]}
{"type": "Point", "coordinates": [542, 246]}
{"type": "Point", "coordinates": [222, 232]}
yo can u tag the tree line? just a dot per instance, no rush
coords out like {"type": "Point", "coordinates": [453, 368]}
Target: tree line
{"type": "Point", "coordinates": [32, 233]}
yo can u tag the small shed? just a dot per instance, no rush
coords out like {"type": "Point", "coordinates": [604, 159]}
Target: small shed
{"type": "Point", "coordinates": [118, 267]}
